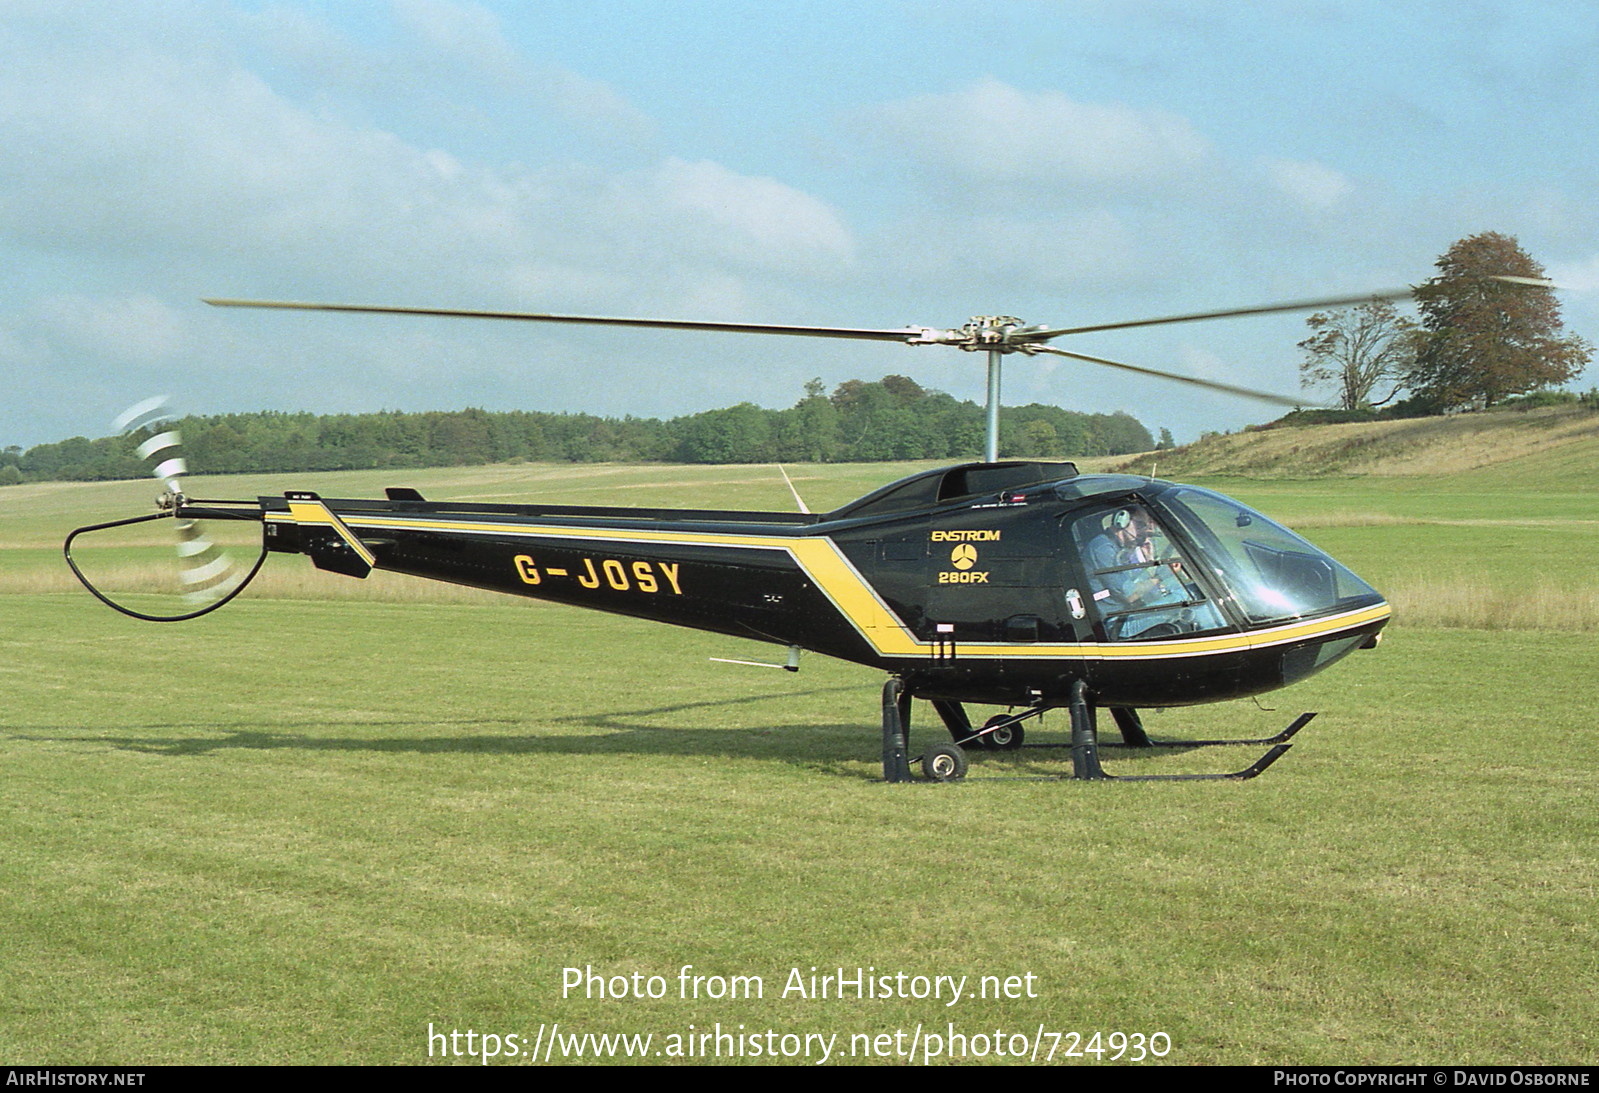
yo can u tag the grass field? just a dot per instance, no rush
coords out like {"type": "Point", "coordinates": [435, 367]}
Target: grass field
{"type": "Point", "coordinates": [302, 830]}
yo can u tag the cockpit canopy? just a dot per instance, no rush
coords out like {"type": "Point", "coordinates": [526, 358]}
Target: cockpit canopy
{"type": "Point", "coordinates": [1165, 560]}
{"type": "Point", "coordinates": [1271, 573]}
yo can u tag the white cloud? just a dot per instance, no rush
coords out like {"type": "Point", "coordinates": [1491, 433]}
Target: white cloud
{"type": "Point", "coordinates": [758, 219]}
{"type": "Point", "coordinates": [134, 328]}
{"type": "Point", "coordinates": [144, 169]}
{"type": "Point", "coordinates": [466, 42]}
{"type": "Point", "coordinates": [467, 33]}
{"type": "Point", "coordinates": [1069, 250]}
{"type": "Point", "coordinates": [203, 160]}
{"type": "Point", "coordinates": [1313, 185]}
{"type": "Point", "coordinates": [991, 130]}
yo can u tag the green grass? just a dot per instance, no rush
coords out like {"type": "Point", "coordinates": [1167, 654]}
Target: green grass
{"type": "Point", "coordinates": [300, 831]}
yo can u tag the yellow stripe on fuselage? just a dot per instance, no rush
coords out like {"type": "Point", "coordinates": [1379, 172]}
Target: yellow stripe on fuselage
{"type": "Point", "coordinates": [838, 579]}
{"type": "Point", "coordinates": [317, 514]}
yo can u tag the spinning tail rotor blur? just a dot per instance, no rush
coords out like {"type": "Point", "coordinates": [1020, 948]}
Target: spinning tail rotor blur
{"type": "Point", "coordinates": [206, 575]}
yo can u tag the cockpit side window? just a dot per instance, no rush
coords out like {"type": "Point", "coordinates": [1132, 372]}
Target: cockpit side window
{"type": "Point", "coordinates": [1140, 584]}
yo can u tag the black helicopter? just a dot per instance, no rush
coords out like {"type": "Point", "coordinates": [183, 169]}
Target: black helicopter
{"type": "Point", "coordinates": [1018, 584]}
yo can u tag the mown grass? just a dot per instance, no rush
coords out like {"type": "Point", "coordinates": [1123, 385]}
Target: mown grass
{"type": "Point", "coordinates": [300, 830]}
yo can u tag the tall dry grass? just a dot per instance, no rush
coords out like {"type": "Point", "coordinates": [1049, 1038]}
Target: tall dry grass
{"type": "Point", "coordinates": [1479, 605]}
{"type": "Point", "coordinates": [1435, 446]}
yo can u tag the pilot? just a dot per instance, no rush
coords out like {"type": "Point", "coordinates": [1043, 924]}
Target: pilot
{"type": "Point", "coordinates": [1127, 541]}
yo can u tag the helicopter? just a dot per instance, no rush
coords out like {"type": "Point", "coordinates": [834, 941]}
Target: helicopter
{"type": "Point", "coordinates": [1021, 584]}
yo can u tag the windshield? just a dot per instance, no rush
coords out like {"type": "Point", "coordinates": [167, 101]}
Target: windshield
{"type": "Point", "coordinates": [1271, 573]}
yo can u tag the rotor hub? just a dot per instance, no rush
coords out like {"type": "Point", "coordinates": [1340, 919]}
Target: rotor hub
{"type": "Point", "coordinates": [992, 333]}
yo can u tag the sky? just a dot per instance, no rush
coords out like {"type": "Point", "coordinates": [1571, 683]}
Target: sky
{"type": "Point", "coordinates": [872, 163]}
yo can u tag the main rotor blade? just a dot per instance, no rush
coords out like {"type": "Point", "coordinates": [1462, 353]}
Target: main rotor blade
{"type": "Point", "coordinates": [1267, 309]}
{"type": "Point", "coordinates": [902, 335]}
{"type": "Point", "coordinates": [1229, 313]}
{"type": "Point", "coordinates": [1246, 392]}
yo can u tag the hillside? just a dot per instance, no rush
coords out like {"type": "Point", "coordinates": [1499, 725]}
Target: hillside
{"type": "Point", "coordinates": [1540, 443]}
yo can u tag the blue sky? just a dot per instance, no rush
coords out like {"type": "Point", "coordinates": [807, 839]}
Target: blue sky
{"type": "Point", "coordinates": [870, 164]}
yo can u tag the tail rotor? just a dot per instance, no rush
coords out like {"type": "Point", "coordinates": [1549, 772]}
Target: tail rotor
{"type": "Point", "coordinates": [206, 572]}
{"type": "Point", "coordinates": [135, 564]}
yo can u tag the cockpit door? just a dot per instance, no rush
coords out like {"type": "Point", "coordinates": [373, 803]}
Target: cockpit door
{"type": "Point", "coordinates": [1137, 584]}
{"type": "Point", "coordinates": [994, 576]}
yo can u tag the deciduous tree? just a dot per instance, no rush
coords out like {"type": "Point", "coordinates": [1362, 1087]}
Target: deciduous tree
{"type": "Point", "coordinates": [1354, 350]}
{"type": "Point", "coordinates": [1486, 340]}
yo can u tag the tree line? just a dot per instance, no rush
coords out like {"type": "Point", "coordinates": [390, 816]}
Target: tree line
{"type": "Point", "coordinates": [894, 418]}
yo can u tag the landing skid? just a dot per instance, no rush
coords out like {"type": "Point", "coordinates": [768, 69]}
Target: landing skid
{"type": "Point", "coordinates": [1281, 738]}
{"type": "Point", "coordinates": [947, 762]}
{"type": "Point", "coordinates": [1085, 746]}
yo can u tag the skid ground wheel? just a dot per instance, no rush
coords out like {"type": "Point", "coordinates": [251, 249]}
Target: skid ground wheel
{"type": "Point", "coordinates": [1002, 739]}
{"type": "Point", "coordinates": [944, 763]}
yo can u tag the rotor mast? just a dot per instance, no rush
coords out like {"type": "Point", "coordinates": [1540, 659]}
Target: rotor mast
{"type": "Point", "coordinates": [991, 438]}
{"type": "Point", "coordinates": [996, 335]}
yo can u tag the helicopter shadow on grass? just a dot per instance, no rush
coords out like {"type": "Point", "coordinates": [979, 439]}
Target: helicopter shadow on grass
{"type": "Point", "coordinates": [841, 749]}
{"type": "Point", "coordinates": [596, 733]}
